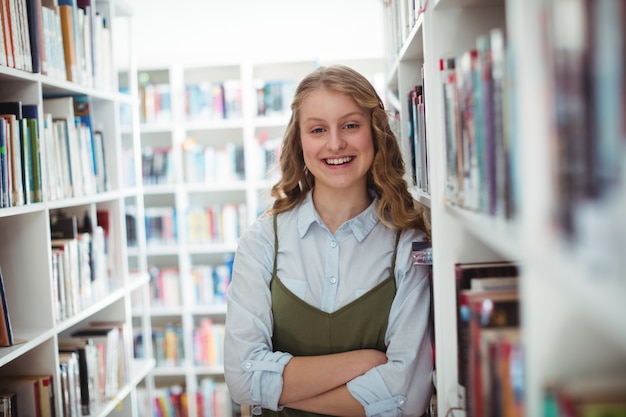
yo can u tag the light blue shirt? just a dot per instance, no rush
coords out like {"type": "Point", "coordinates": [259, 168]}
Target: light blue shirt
{"type": "Point", "coordinates": [328, 271]}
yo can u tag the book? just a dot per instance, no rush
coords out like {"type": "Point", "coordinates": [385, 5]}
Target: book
{"type": "Point", "coordinates": [53, 40]}
{"type": "Point", "coordinates": [66, 14]}
{"type": "Point", "coordinates": [8, 404]}
{"type": "Point", "coordinates": [6, 332]}
{"type": "Point", "coordinates": [27, 393]}
{"type": "Point", "coordinates": [124, 347]}
{"type": "Point", "coordinates": [7, 33]}
{"type": "Point", "coordinates": [86, 142]}
{"type": "Point", "coordinates": [489, 315]}
{"type": "Point", "coordinates": [70, 384]}
{"type": "Point", "coordinates": [90, 43]}
{"type": "Point", "coordinates": [106, 339]}
{"type": "Point", "coordinates": [500, 361]}
{"type": "Point", "coordinates": [30, 113]}
{"type": "Point", "coordinates": [501, 125]}
{"type": "Point", "coordinates": [497, 275]}
{"type": "Point", "coordinates": [46, 393]}
{"type": "Point", "coordinates": [67, 255]}
{"type": "Point", "coordinates": [64, 121]}
{"type": "Point", "coordinates": [593, 395]}
{"type": "Point", "coordinates": [35, 25]}
{"type": "Point", "coordinates": [64, 227]}
{"type": "Point", "coordinates": [5, 187]}
{"type": "Point", "coordinates": [87, 355]}
{"type": "Point", "coordinates": [11, 111]}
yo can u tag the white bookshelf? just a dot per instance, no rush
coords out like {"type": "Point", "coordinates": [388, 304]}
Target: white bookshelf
{"type": "Point", "coordinates": [572, 314]}
{"type": "Point", "coordinates": [25, 247]}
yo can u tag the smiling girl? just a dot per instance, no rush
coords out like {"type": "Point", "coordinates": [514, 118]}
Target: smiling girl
{"type": "Point", "coordinates": [327, 315]}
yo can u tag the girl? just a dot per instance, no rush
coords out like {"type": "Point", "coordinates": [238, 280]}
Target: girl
{"type": "Point", "coordinates": [326, 312]}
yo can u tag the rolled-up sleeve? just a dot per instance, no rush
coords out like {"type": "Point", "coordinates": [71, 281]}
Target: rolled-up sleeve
{"type": "Point", "coordinates": [403, 386]}
{"type": "Point", "coordinates": [253, 372]}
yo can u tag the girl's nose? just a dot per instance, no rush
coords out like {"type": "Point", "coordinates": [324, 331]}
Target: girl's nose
{"type": "Point", "coordinates": [335, 140]}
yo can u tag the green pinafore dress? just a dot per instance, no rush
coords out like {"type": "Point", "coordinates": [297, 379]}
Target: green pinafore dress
{"type": "Point", "coordinates": [304, 330]}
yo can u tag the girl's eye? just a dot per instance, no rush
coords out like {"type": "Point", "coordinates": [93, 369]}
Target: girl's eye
{"type": "Point", "coordinates": [317, 130]}
{"type": "Point", "coordinates": [352, 126]}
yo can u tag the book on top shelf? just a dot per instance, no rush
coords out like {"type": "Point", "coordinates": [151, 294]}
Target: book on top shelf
{"type": "Point", "coordinates": [70, 49]}
{"type": "Point", "coordinates": [9, 59]}
{"type": "Point", "coordinates": [18, 38]}
{"type": "Point", "coordinates": [36, 31]}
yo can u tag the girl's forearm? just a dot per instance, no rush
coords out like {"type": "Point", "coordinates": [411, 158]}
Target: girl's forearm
{"type": "Point", "coordinates": [337, 402]}
{"type": "Point", "coordinates": [306, 377]}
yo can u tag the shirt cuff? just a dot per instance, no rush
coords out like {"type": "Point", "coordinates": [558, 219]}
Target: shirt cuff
{"type": "Point", "coordinates": [267, 379]}
{"type": "Point", "coordinates": [368, 389]}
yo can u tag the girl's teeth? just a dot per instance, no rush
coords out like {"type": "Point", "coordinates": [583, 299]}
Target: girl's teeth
{"type": "Point", "coordinates": [338, 161]}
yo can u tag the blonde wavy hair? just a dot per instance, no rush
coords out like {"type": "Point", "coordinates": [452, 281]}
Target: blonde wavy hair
{"type": "Point", "coordinates": [396, 208]}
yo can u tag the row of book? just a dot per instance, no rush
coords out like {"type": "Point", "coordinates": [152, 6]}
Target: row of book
{"type": "Point", "coordinates": [212, 164]}
{"type": "Point", "coordinates": [165, 290]}
{"type": "Point", "coordinates": [155, 103]}
{"type": "Point", "coordinates": [208, 343]}
{"type": "Point", "coordinates": [417, 138]}
{"type": "Point", "coordinates": [79, 264]}
{"type": "Point", "coordinates": [480, 144]}
{"type": "Point", "coordinates": [217, 100]}
{"type": "Point", "coordinates": [586, 396]}
{"type": "Point", "coordinates": [27, 395]}
{"type": "Point", "coordinates": [157, 165]}
{"type": "Point", "coordinates": [63, 39]}
{"type": "Point", "coordinates": [58, 156]}
{"type": "Point", "coordinates": [167, 342]}
{"type": "Point", "coordinates": [160, 224]}
{"type": "Point", "coordinates": [206, 100]}
{"type": "Point", "coordinates": [273, 98]}
{"type": "Point", "coordinates": [216, 223]}
{"type": "Point", "coordinates": [94, 364]}
{"type": "Point", "coordinates": [490, 348]}
{"type": "Point", "coordinates": [212, 400]}
{"type": "Point", "coordinates": [401, 16]}
{"type": "Point", "coordinates": [208, 284]}
{"type": "Point", "coordinates": [586, 104]}
{"type": "Point", "coordinates": [266, 157]}
{"type": "Point", "coordinates": [20, 154]}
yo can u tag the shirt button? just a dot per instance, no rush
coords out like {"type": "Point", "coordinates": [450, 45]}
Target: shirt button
{"type": "Point", "coordinates": [248, 365]}
{"type": "Point", "coordinates": [333, 280]}
{"type": "Point", "coordinates": [333, 244]}
{"type": "Point", "coordinates": [401, 401]}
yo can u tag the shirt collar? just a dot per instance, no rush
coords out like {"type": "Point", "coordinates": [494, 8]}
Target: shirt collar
{"type": "Point", "coordinates": [360, 225]}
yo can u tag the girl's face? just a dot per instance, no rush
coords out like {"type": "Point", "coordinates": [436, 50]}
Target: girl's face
{"type": "Point", "coordinates": [336, 139]}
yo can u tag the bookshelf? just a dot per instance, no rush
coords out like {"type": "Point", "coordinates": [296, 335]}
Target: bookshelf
{"type": "Point", "coordinates": [230, 118]}
{"type": "Point", "coordinates": [41, 319]}
{"type": "Point", "coordinates": [569, 247]}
